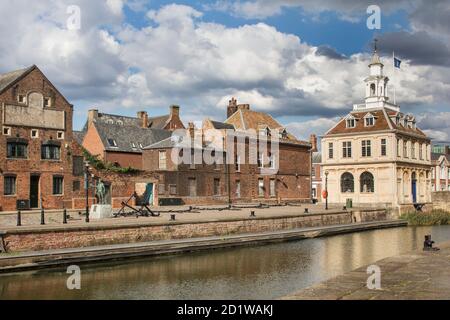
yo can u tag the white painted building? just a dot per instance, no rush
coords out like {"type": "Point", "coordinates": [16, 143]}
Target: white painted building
{"type": "Point", "coordinates": [376, 155]}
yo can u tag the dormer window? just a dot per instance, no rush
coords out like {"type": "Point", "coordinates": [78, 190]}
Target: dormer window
{"type": "Point", "coordinates": [283, 134]}
{"type": "Point", "coordinates": [369, 120]}
{"type": "Point", "coordinates": [119, 122]}
{"type": "Point", "coordinates": [112, 143]}
{"type": "Point", "coordinates": [133, 145]}
{"type": "Point", "coordinates": [351, 122]}
{"type": "Point", "coordinates": [109, 121]}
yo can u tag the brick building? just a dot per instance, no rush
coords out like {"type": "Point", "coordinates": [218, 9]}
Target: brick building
{"type": "Point", "coordinates": [291, 178]}
{"type": "Point", "coordinates": [39, 165]}
{"type": "Point", "coordinates": [119, 139]}
{"type": "Point", "coordinates": [254, 175]}
{"type": "Point", "coordinates": [440, 171]}
{"type": "Point", "coordinates": [316, 176]}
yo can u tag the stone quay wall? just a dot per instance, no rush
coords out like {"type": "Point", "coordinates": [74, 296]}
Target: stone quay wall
{"type": "Point", "coordinates": [441, 200]}
{"type": "Point", "coordinates": [46, 238]}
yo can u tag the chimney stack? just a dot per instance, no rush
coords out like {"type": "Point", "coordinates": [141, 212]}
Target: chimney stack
{"type": "Point", "coordinates": [143, 115]}
{"type": "Point", "coordinates": [313, 141]}
{"type": "Point", "coordinates": [191, 129]}
{"type": "Point", "coordinates": [232, 107]}
{"type": "Point", "coordinates": [92, 115]}
{"type": "Point", "coordinates": [174, 111]}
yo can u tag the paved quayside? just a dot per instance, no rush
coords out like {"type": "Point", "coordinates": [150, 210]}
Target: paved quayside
{"type": "Point", "coordinates": [24, 261]}
{"type": "Point", "coordinates": [419, 275]}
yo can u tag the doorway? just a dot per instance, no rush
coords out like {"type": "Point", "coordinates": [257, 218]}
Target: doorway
{"type": "Point", "coordinates": [34, 191]}
{"type": "Point", "coordinates": [414, 187]}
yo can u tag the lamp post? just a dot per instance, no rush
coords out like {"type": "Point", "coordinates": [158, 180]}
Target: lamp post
{"type": "Point", "coordinates": [326, 190]}
{"type": "Point", "coordinates": [86, 186]}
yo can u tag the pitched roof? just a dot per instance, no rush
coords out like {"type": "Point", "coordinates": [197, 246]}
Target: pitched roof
{"type": "Point", "coordinates": [158, 122]}
{"type": "Point", "coordinates": [383, 121]}
{"type": "Point", "coordinates": [436, 156]}
{"type": "Point", "coordinates": [6, 79]}
{"type": "Point", "coordinates": [221, 125]}
{"type": "Point", "coordinates": [246, 119]}
{"type": "Point", "coordinates": [125, 136]}
{"type": "Point", "coordinates": [78, 136]}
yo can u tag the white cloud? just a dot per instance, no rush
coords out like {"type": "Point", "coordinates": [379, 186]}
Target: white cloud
{"type": "Point", "coordinates": [180, 59]}
{"type": "Point", "coordinates": [318, 126]}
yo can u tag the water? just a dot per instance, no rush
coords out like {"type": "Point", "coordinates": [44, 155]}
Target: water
{"type": "Point", "coordinates": [261, 272]}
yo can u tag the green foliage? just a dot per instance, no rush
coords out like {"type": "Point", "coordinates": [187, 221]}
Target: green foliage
{"type": "Point", "coordinates": [98, 164]}
{"type": "Point", "coordinates": [436, 217]}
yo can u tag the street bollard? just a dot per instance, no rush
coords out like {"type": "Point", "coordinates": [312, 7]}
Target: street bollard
{"type": "Point", "coordinates": [19, 218]}
{"type": "Point", "coordinates": [42, 216]}
{"type": "Point", "coordinates": [172, 217]}
{"type": "Point", "coordinates": [64, 216]}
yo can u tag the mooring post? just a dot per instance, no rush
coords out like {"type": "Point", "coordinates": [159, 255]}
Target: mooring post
{"type": "Point", "coordinates": [172, 217]}
{"type": "Point", "coordinates": [19, 218]}
{"type": "Point", "coordinates": [252, 214]}
{"type": "Point", "coordinates": [42, 216]}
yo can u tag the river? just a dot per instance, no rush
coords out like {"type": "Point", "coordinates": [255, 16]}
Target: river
{"type": "Point", "coordinates": [258, 272]}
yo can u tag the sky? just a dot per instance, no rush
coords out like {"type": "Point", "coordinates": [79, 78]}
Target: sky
{"type": "Point", "coordinates": [303, 61]}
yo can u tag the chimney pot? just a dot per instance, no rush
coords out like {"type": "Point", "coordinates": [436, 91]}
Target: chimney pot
{"type": "Point", "coordinates": [174, 111]}
{"type": "Point", "coordinates": [92, 115]}
{"type": "Point", "coordinates": [313, 141]}
{"type": "Point", "coordinates": [143, 115]}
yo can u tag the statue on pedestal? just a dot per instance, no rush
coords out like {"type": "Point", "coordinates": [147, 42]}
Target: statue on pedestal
{"type": "Point", "coordinates": [100, 191]}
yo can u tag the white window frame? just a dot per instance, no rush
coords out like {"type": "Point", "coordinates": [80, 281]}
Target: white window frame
{"type": "Point", "coordinates": [49, 102]}
{"type": "Point", "coordinates": [36, 135]}
{"type": "Point", "coordinates": [9, 131]}
{"type": "Point", "coordinates": [162, 160]}
{"type": "Point", "coordinates": [350, 120]}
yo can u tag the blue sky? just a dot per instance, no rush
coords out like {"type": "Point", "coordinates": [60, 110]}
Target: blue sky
{"type": "Point", "coordinates": [301, 60]}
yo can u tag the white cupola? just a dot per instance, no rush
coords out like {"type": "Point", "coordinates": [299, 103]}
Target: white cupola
{"type": "Point", "coordinates": [376, 82]}
{"type": "Point", "coordinates": [376, 85]}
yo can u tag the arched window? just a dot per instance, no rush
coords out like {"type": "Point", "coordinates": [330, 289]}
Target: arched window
{"type": "Point", "coordinates": [372, 89]}
{"type": "Point", "coordinates": [347, 182]}
{"type": "Point", "coordinates": [366, 182]}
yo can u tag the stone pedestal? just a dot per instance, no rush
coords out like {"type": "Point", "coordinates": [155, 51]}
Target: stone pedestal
{"type": "Point", "coordinates": [101, 211]}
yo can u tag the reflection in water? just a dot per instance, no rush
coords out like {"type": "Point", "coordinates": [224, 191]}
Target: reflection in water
{"type": "Point", "coordinates": [263, 272]}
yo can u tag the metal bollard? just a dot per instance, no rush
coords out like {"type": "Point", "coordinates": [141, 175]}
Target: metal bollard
{"type": "Point", "coordinates": [19, 218]}
{"type": "Point", "coordinates": [42, 216]}
{"type": "Point", "coordinates": [172, 217]}
{"type": "Point", "coordinates": [64, 216]}
{"type": "Point", "coordinates": [252, 214]}
{"type": "Point", "coordinates": [306, 210]}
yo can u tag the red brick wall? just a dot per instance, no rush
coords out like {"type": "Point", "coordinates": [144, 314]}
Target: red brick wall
{"type": "Point", "coordinates": [24, 168]}
{"type": "Point", "coordinates": [124, 159]}
{"type": "Point", "coordinates": [93, 143]}
{"type": "Point", "coordinates": [91, 235]}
